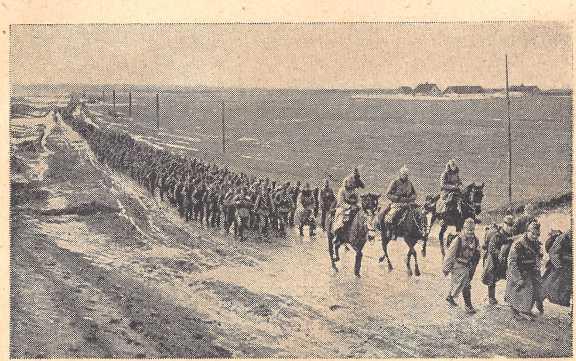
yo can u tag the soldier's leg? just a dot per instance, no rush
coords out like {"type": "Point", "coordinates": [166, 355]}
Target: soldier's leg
{"type": "Point", "coordinates": [311, 226]}
{"type": "Point", "coordinates": [492, 294]}
{"type": "Point", "coordinates": [201, 213]}
{"type": "Point", "coordinates": [208, 215]}
{"type": "Point", "coordinates": [467, 295]}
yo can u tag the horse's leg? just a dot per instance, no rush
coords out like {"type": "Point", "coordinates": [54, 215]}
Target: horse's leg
{"type": "Point", "coordinates": [408, 267]}
{"type": "Point", "coordinates": [331, 251]}
{"type": "Point", "coordinates": [416, 268]}
{"type": "Point", "coordinates": [432, 219]}
{"type": "Point", "coordinates": [358, 263]}
{"type": "Point", "coordinates": [424, 244]}
{"type": "Point", "coordinates": [443, 229]}
{"type": "Point", "coordinates": [384, 243]}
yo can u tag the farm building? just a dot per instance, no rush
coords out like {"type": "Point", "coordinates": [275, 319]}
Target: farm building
{"type": "Point", "coordinates": [525, 89]}
{"type": "Point", "coordinates": [427, 89]}
{"type": "Point", "coordinates": [463, 90]}
{"type": "Point", "coordinates": [405, 90]}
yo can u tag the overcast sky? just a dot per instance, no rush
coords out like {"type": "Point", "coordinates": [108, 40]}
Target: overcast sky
{"type": "Point", "coordinates": [294, 56]}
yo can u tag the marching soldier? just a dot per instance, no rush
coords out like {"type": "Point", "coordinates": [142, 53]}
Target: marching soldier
{"type": "Point", "coordinates": [557, 278]}
{"type": "Point", "coordinates": [497, 244]}
{"type": "Point", "coordinates": [306, 201]}
{"type": "Point", "coordinates": [523, 280]}
{"type": "Point", "coordinates": [461, 261]}
{"type": "Point", "coordinates": [521, 224]}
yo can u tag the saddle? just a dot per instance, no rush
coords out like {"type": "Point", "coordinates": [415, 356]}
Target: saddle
{"type": "Point", "coordinates": [452, 203]}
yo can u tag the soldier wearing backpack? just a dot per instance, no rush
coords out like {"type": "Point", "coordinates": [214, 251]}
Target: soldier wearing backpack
{"type": "Point", "coordinates": [497, 242]}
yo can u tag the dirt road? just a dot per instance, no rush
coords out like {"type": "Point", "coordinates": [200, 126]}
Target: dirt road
{"type": "Point", "coordinates": [101, 269]}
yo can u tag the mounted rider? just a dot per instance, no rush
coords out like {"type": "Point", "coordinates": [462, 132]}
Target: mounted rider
{"type": "Point", "coordinates": [450, 193]}
{"type": "Point", "coordinates": [347, 202]}
{"type": "Point", "coordinates": [402, 194]}
{"type": "Point", "coordinates": [327, 199]}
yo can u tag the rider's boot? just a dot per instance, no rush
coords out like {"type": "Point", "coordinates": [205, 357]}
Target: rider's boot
{"type": "Point", "coordinates": [451, 301]}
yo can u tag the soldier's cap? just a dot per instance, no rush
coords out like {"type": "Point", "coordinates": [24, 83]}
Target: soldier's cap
{"type": "Point", "coordinates": [509, 220]}
{"type": "Point", "coordinates": [469, 223]}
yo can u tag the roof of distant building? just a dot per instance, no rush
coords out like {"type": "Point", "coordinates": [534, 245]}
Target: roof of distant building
{"type": "Point", "coordinates": [464, 89]}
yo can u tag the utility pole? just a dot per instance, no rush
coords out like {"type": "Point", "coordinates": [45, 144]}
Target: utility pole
{"type": "Point", "coordinates": [130, 104]}
{"type": "Point", "coordinates": [223, 131]}
{"type": "Point", "coordinates": [509, 136]}
{"type": "Point", "coordinates": [158, 111]}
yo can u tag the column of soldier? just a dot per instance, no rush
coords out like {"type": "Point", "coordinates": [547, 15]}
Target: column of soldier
{"type": "Point", "coordinates": [512, 252]}
{"type": "Point", "coordinates": [220, 198]}
{"type": "Point", "coordinates": [213, 196]}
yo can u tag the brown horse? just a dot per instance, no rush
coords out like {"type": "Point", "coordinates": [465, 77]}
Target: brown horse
{"type": "Point", "coordinates": [470, 206]}
{"type": "Point", "coordinates": [412, 227]}
{"type": "Point", "coordinates": [355, 233]}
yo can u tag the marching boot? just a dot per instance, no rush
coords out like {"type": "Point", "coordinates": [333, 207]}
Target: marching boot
{"type": "Point", "coordinates": [451, 301]}
{"type": "Point", "coordinates": [466, 293]}
{"type": "Point", "coordinates": [492, 295]}
{"type": "Point", "coordinates": [540, 307]}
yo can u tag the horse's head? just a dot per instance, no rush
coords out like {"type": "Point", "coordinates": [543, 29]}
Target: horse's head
{"type": "Point", "coordinates": [473, 196]}
{"type": "Point", "coordinates": [370, 202]}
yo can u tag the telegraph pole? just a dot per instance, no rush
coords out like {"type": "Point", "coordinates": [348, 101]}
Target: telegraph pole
{"type": "Point", "coordinates": [158, 111]}
{"type": "Point", "coordinates": [130, 104]}
{"type": "Point", "coordinates": [114, 100]}
{"type": "Point", "coordinates": [223, 131]}
{"type": "Point", "coordinates": [509, 137]}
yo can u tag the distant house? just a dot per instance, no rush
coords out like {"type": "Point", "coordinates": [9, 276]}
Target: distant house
{"type": "Point", "coordinates": [427, 89]}
{"type": "Point", "coordinates": [558, 92]}
{"type": "Point", "coordinates": [525, 89]}
{"type": "Point", "coordinates": [463, 90]}
{"type": "Point", "coordinates": [405, 90]}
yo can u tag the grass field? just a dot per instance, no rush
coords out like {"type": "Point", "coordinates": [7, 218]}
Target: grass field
{"type": "Point", "coordinates": [309, 135]}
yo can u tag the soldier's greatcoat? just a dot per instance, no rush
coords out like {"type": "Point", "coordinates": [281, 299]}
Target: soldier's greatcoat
{"type": "Point", "coordinates": [461, 261]}
{"type": "Point", "coordinates": [496, 257]}
{"type": "Point", "coordinates": [557, 278]}
{"type": "Point", "coordinates": [523, 280]}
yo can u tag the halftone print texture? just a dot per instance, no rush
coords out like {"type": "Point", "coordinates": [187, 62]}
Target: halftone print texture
{"type": "Point", "coordinates": [234, 191]}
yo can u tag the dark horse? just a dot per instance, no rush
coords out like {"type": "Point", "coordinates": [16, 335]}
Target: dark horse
{"type": "Point", "coordinates": [412, 227]}
{"type": "Point", "coordinates": [470, 206]}
{"type": "Point", "coordinates": [355, 233]}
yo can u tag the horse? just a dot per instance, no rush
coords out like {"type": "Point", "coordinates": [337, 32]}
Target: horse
{"type": "Point", "coordinates": [469, 206]}
{"type": "Point", "coordinates": [356, 232]}
{"type": "Point", "coordinates": [412, 227]}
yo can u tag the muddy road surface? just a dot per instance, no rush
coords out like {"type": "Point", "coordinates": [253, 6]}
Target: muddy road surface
{"type": "Point", "coordinates": [99, 268]}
